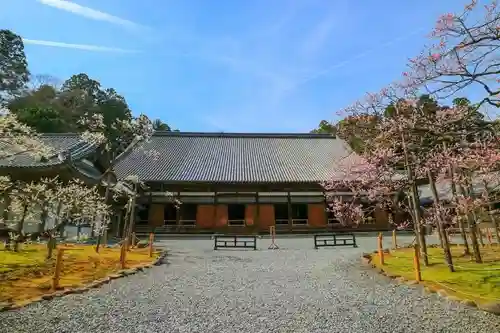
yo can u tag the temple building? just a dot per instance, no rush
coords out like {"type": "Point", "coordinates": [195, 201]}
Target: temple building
{"type": "Point", "coordinates": [237, 182]}
{"type": "Point", "coordinates": [70, 157]}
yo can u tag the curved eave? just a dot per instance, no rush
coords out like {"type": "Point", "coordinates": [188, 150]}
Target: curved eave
{"type": "Point", "coordinates": [75, 152]}
{"type": "Point", "coordinates": [85, 176]}
{"type": "Point", "coordinates": [6, 169]}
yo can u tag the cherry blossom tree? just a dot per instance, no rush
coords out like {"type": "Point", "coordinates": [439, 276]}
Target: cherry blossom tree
{"type": "Point", "coordinates": [466, 54]}
{"type": "Point", "coordinates": [395, 151]}
{"type": "Point", "coordinates": [370, 183]}
{"type": "Point", "coordinates": [17, 138]}
{"type": "Point", "coordinates": [428, 144]}
{"type": "Point", "coordinates": [473, 159]}
{"type": "Point", "coordinates": [141, 129]}
{"type": "Point", "coordinates": [23, 197]}
{"type": "Point", "coordinates": [72, 203]}
{"type": "Point", "coordinates": [75, 204]}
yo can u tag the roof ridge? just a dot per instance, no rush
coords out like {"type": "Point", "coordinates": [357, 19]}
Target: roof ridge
{"type": "Point", "coordinates": [245, 135]}
{"type": "Point", "coordinates": [60, 134]}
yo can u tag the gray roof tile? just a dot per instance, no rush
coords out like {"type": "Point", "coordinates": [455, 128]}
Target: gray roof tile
{"type": "Point", "coordinates": [69, 143]}
{"type": "Point", "coordinates": [235, 158]}
{"type": "Point", "coordinates": [444, 188]}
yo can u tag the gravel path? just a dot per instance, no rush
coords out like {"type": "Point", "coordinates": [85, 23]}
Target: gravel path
{"type": "Point", "coordinates": [294, 289]}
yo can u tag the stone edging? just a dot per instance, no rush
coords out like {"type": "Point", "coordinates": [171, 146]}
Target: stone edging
{"type": "Point", "coordinates": [6, 306]}
{"type": "Point", "coordinates": [492, 307]}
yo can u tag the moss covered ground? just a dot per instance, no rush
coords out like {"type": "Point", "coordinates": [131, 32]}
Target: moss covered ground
{"type": "Point", "coordinates": [27, 274]}
{"type": "Point", "coordinates": [478, 282]}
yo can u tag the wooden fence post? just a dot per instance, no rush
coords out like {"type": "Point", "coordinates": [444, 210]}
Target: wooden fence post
{"type": "Point", "coordinates": [151, 240]}
{"type": "Point", "coordinates": [272, 233]}
{"type": "Point", "coordinates": [394, 240]}
{"type": "Point", "coordinates": [416, 262]}
{"type": "Point", "coordinates": [380, 249]}
{"type": "Point", "coordinates": [57, 271]}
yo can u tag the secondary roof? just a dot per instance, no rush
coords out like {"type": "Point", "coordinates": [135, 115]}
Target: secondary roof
{"type": "Point", "coordinates": [64, 146]}
{"type": "Point", "coordinates": [183, 157]}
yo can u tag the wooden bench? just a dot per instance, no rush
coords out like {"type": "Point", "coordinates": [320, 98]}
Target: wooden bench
{"type": "Point", "coordinates": [235, 241]}
{"type": "Point", "coordinates": [332, 240]}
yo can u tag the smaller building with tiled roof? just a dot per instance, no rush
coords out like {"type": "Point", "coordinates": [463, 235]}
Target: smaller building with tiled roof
{"type": "Point", "coordinates": [69, 156]}
{"type": "Point", "coordinates": [237, 182]}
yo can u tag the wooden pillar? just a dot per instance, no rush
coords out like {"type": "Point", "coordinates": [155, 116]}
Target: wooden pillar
{"type": "Point", "coordinates": [326, 210]}
{"type": "Point", "coordinates": [150, 201]}
{"type": "Point", "coordinates": [214, 224]}
{"type": "Point", "coordinates": [289, 204]}
{"type": "Point", "coordinates": [178, 217]}
{"type": "Point", "coordinates": [257, 211]}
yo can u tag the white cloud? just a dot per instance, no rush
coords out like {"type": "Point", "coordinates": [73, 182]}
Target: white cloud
{"type": "Point", "coordinates": [89, 13]}
{"type": "Point", "coordinates": [317, 38]}
{"type": "Point", "coordinates": [358, 56]}
{"type": "Point", "coordinates": [85, 47]}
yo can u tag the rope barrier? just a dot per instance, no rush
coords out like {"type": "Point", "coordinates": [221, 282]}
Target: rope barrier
{"type": "Point", "coordinates": [465, 293]}
{"type": "Point", "coordinates": [418, 276]}
{"type": "Point", "coordinates": [454, 265]}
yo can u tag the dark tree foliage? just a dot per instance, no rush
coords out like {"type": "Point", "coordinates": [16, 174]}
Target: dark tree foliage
{"type": "Point", "coordinates": [50, 109]}
{"type": "Point", "coordinates": [14, 72]}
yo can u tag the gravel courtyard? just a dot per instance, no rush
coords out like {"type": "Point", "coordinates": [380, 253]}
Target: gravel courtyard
{"type": "Point", "coordinates": [294, 289]}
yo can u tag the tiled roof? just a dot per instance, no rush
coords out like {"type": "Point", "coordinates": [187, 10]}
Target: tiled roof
{"type": "Point", "coordinates": [63, 144]}
{"type": "Point", "coordinates": [444, 187]}
{"type": "Point", "coordinates": [179, 157]}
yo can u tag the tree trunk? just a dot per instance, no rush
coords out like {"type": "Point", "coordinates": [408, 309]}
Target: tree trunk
{"type": "Point", "coordinates": [126, 219]}
{"type": "Point", "coordinates": [43, 219]}
{"type": "Point", "coordinates": [20, 227]}
{"type": "Point", "coordinates": [119, 220]}
{"type": "Point", "coordinates": [52, 242]}
{"type": "Point", "coordinates": [442, 233]}
{"type": "Point", "coordinates": [51, 245]}
{"type": "Point", "coordinates": [463, 231]}
{"type": "Point", "coordinates": [126, 222]}
{"type": "Point", "coordinates": [98, 243]}
{"type": "Point", "coordinates": [418, 223]}
{"type": "Point", "coordinates": [415, 203]}
{"type": "Point", "coordinates": [132, 219]}
{"type": "Point", "coordinates": [106, 196]}
{"type": "Point", "coordinates": [461, 224]}
{"type": "Point", "coordinates": [473, 238]}
{"type": "Point", "coordinates": [78, 232]}
{"type": "Point", "coordinates": [493, 221]}
{"type": "Point", "coordinates": [472, 233]}
{"type": "Point", "coordinates": [478, 229]}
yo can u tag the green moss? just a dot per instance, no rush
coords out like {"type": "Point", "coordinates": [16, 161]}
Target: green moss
{"type": "Point", "coordinates": [480, 282]}
{"type": "Point", "coordinates": [27, 275]}
{"type": "Point", "coordinates": [26, 257]}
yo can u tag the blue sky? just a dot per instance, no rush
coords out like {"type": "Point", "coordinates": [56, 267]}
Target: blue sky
{"type": "Point", "coordinates": [228, 65]}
